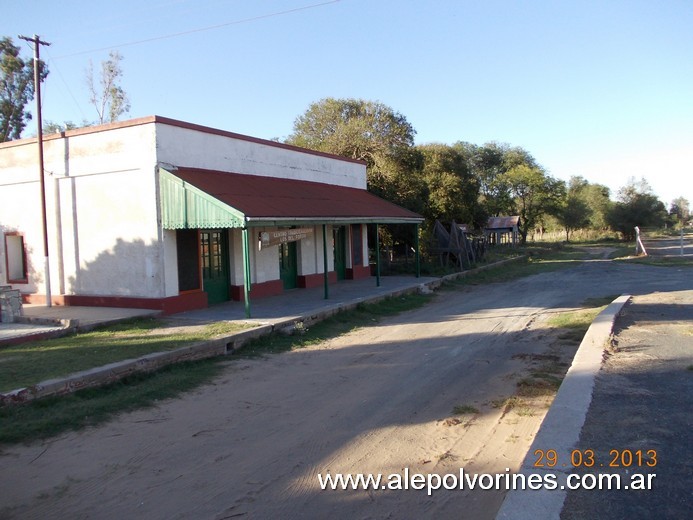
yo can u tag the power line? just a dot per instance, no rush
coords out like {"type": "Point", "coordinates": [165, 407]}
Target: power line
{"type": "Point", "coordinates": [201, 29]}
{"type": "Point", "coordinates": [67, 87]}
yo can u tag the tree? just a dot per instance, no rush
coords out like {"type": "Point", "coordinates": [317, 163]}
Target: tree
{"type": "Point", "coordinates": [597, 198]}
{"type": "Point", "coordinates": [534, 193]}
{"type": "Point", "coordinates": [51, 127]}
{"type": "Point", "coordinates": [636, 206]}
{"type": "Point", "coordinates": [108, 97]}
{"type": "Point", "coordinates": [574, 214]}
{"type": "Point", "coordinates": [452, 189]}
{"type": "Point", "coordinates": [371, 132]}
{"type": "Point", "coordinates": [16, 89]}
{"type": "Point", "coordinates": [489, 164]}
{"type": "Point", "coordinates": [585, 205]}
{"type": "Point", "coordinates": [680, 210]}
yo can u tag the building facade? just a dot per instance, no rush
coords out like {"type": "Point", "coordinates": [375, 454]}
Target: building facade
{"type": "Point", "coordinates": [163, 214]}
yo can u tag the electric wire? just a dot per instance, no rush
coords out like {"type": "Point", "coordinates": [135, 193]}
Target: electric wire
{"type": "Point", "coordinates": [200, 29]}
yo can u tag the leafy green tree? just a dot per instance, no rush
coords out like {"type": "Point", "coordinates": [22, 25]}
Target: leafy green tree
{"type": "Point", "coordinates": [597, 198]}
{"type": "Point", "coordinates": [574, 214]}
{"type": "Point", "coordinates": [452, 189]}
{"type": "Point", "coordinates": [585, 205]}
{"type": "Point", "coordinates": [16, 89]}
{"type": "Point", "coordinates": [680, 211]}
{"type": "Point", "coordinates": [108, 97]}
{"type": "Point", "coordinates": [534, 193]}
{"type": "Point", "coordinates": [636, 206]}
{"type": "Point", "coordinates": [371, 132]}
{"type": "Point", "coordinates": [489, 164]}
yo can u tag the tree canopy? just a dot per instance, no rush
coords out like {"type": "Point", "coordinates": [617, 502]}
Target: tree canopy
{"type": "Point", "coordinates": [534, 193]}
{"type": "Point", "coordinates": [636, 206]}
{"type": "Point", "coordinates": [16, 89]}
{"type": "Point", "coordinates": [453, 191]}
{"type": "Point", "coordinates": [371, 132]}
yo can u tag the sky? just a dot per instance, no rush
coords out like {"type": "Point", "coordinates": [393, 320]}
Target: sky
{"type": "Point", "coordinates": [597, 88]}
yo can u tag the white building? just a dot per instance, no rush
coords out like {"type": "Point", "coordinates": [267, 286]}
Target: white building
{"type": "Point", "coordinates": [162, 214]}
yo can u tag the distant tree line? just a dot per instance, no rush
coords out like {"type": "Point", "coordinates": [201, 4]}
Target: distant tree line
{"type": "Point", "coordinates": [468, 183]}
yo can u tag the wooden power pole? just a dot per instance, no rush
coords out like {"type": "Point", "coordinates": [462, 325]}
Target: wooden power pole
{"type": "Point", "coordinates": [39, 138]}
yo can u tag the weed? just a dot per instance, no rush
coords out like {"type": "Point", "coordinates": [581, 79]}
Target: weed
{"type": "Point", "coordinates": [464, 409]}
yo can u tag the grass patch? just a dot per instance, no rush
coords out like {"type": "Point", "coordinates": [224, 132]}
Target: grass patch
{"type": "Point", "coordinates": [53, 415]}
{"type": "Point", "coordinates": [575, 323]}
{"type": "Point", "coordinates": [30, 363]}
{"type": "Point", "coordinates": [341, 323]}
{"type": "Point", "coordinates": [539, 384]}
{"type": "Point", "coordinates": [601, 301]}
{"type": "Point", "coordinates": [464, 409]}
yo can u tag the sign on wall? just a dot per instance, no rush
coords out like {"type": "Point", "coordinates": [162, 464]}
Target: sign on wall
{"type": "Point", "coordinates": [280, 236]}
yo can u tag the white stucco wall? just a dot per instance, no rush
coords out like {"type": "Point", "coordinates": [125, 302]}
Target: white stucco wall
{"type": "Point", "coordinates": [101, 212]}
{"type": "Point", "coordinates": [197, 149]}
{"type": "Point", "coordinates": [102, 207]}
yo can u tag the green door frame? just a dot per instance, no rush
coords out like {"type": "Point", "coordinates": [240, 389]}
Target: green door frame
{"type": "Point", "coordinates": [340, 251]}
{"type": "Point", "coordinates": [288, 265]}
{"type": "Point", "coordinates": [215, 264]}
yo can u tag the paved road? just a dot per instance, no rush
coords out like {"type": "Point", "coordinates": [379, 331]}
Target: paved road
{"type": "Point", "coordinates": [643, 404]}
{"type": "Point", "coordinates": [378, 400]}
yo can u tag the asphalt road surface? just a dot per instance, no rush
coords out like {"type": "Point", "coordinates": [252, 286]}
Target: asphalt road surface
{"type": "Point", "coordinates": [378, 400]}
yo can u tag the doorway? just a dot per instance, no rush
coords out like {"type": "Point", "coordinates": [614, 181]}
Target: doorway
{"type": "Point", "coordinates": [339, 234]}
{"type": "Point", "coordinates": [288, 269]}
{"type": "Point", "coordinates": [214, 253]}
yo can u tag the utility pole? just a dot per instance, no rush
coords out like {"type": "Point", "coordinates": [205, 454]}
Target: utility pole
{"type": "Point", "coordinates": [39, 138]}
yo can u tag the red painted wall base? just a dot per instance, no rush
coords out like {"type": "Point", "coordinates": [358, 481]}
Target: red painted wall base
{"type": "Point", "coordinates": [171, 305]}
{"type": "Point", "coordinates": [316, 280]}
{"type": "Point", "coordinates": [358, 272]}
{"type": "Point", "coordinates": [258, 290]}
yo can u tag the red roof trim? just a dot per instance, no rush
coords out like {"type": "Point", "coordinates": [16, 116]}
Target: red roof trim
{"type": "Point", "coordinates": [271, 198]}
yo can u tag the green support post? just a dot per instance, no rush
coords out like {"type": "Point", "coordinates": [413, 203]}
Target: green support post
{"type": "Point", "coordinates": [324, 260]}
{"type": "Point", "coordinates": [377, 255]}
{"type": "Point", "coordinates": [418, 256]}
{"type": "Point", "coordinates": [246, 272]}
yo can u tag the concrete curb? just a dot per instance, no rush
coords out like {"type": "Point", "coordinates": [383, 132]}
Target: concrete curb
{"type": "Point", "coordinates": [216, 347]}
{"type": "Point", "coordinates": [560, 430]}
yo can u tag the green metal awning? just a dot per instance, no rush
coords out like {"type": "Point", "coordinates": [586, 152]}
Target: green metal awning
{"type": "Point", "coordinates": [183, 206]}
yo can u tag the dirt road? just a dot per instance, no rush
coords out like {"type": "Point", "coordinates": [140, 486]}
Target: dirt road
{"type": "Point", "coordinates": [378, 400]}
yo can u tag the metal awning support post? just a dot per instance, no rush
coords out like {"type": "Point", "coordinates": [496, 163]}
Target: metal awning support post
{"type": "Point", "coordinates": [377, 255]}
{"type": "Point", "coordinates": [417, 255]}
{"type": "Point", "coordinates": [324, 260]}
{"type": "Point", "coordinates": [246, 272]}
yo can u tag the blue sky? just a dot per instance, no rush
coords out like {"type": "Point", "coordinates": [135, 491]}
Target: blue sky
{"type": "Point", "coordinates": [598, 88]}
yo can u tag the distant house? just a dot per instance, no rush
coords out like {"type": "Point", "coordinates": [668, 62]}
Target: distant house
{"type": "Point", "coordinates": [502, 230]}
{"type": "Point", "coordinates": [163, 214]}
